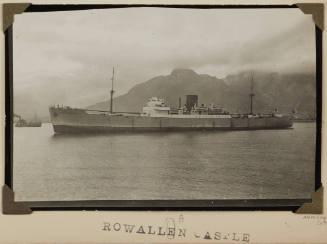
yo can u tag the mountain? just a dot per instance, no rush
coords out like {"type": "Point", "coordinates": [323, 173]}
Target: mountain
{"type": "Point", "coordinates": [272, 90]}
{"type": "Point", "coordinates": [178, 84]}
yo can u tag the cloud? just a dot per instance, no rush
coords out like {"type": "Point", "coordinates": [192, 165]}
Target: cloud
{"type": "Point", "coordinates": [67, 57]}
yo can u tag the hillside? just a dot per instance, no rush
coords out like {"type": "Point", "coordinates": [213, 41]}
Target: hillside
{"type": "Point", "coordinates": [283, 91]}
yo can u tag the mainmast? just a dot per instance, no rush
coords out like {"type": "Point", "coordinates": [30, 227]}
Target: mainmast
{"type": "Point", "coordinates": [112, 90]}
{"type": "Point", "coordinates": [251, 95]}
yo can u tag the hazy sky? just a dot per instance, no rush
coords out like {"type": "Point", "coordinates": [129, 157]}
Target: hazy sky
{"type": "Point", "coordinates": [67, 57]}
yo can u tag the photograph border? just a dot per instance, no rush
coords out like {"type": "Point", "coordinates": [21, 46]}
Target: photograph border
{"type": "Point", "coordinates": [10, 206]}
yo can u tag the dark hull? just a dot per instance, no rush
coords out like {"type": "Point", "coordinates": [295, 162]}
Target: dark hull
{"type": "Point", "coordinates": [80, 121]}
{"type": "Point", "coordinates": [69, 129]}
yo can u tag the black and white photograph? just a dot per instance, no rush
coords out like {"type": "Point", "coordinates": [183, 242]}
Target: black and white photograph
{"type": "Point", "coordinates": [151, 103]}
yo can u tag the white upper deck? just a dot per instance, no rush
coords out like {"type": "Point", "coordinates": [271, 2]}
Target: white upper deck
{"type": "Point", "coordinates": [156, 107]}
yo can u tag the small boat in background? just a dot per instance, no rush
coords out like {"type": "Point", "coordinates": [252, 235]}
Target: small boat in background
{"type": "Point", "coordinates": [23, 123]}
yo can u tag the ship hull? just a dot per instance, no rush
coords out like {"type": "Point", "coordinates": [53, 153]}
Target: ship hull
{"type": "Point", "coordinates": [80, 121]}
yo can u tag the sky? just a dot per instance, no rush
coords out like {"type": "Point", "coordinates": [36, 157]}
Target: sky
{"type": "Point", "coordinates": [67, 57]}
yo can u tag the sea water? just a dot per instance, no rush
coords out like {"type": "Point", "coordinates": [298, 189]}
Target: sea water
{"type": "Point", "coordinates": [256, 164]}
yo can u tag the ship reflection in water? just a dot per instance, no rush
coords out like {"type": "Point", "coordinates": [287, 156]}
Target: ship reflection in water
{"type": "Point", "coordinates": [256, 164]}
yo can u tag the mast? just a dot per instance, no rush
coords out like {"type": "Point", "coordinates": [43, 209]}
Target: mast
{"type": "Point", "coordinates": [112, 90]}
{"type": "Point", "coordinates": [251, 95]}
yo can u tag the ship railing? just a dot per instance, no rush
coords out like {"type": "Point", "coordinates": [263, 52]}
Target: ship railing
{"type": "Point", "coordinates": [93, 110]}
{"type": "Point", "coordinates": [113, 113]}
{"type": "Point", "coordinates": [258, 115]}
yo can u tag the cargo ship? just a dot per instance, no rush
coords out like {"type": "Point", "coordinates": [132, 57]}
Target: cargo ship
{"type": "Point", "coordinates": [156, 115]}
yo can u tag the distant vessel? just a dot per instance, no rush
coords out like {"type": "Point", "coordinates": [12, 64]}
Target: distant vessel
{"type": "Point", "coordinates": [23, 123]}
{"type": "Point", "coordinates": [157, 116]}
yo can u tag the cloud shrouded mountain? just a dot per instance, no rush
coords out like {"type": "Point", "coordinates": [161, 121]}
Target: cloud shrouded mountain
{"type": "Point", "coordinates": [272, 90]}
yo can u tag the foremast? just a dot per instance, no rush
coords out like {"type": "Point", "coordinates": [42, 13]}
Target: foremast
{"type": "Point", "coordinates": [251, 95]}
{"type": "Point", "coordinates": [112, 91]}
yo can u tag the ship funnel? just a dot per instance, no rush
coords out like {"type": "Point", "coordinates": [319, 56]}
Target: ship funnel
{"type": "Point", "coordinates": [191, 101]}
{"type": "Point", "coordinates": [179, 102]}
